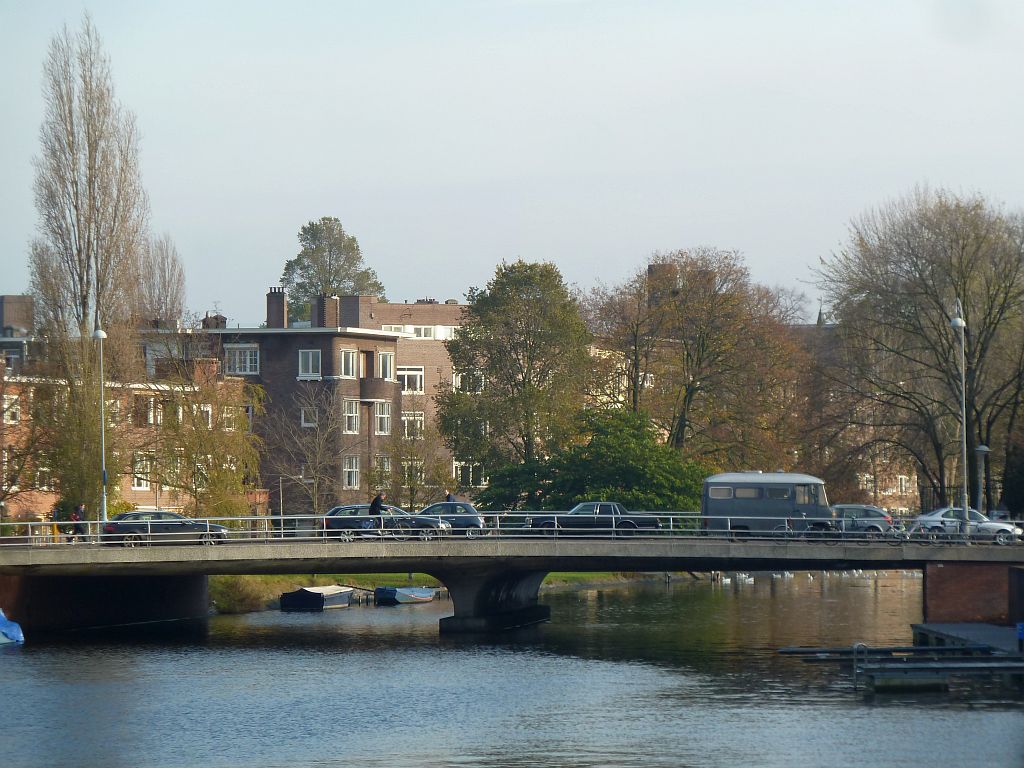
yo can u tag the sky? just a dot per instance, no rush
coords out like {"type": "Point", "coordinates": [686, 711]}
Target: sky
{"type": "Point", "coordinates": [449, 136]}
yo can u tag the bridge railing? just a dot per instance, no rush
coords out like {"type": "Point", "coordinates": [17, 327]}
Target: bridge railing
{"type": "Point", "coordinates": [501, 525]}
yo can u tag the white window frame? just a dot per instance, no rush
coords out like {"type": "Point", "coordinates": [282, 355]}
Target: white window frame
{"type": "Point", "coordinates": [242, 359]}
{"type": "Point", "coordinates": [423, 331]}
{"type": "Point", "coordinates": [393, 328]}
{"type": "Point", "coordinates": [307, 358]}
{"type": "Point", "coordinates": [386, 365]}
{"type": "Point", "coordinates": [350, 472]}
{"type": "Point", "coordinates": [350, 417]}
{"type": "Point", "coordinates": [140, 472]}
{"type": "Point", "coordinates": [407, 372]}
{"type": "Point", "coordinates": [382, 418]}
{"type": "Point", "coordinates": [308, 417]}
{"type": "Point", "coordinates": [383, 463]}
{"type": "Point", "coordinates": [413, 417]}
{"type": "Point", "coordinates": [12, 409]}
{"type": "Point", "coordinates": [468, 467]}
{"type": "Point", "coordinates": [348, 363]}
{"type": "Point", "coordinates": [413, 468]}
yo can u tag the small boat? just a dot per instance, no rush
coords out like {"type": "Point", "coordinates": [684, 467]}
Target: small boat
{"type": "Point", "coordinates": [403, 595]}
{"type": "Point", "coordinates": [10, 631]}
{"type": "Point", "coordinates": [316, 598]}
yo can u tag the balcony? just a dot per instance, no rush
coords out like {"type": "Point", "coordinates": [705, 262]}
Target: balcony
{"type": "Point", "coordinates": [375, 389]}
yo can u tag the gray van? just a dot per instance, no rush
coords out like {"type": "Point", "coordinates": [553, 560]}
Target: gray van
{"type": "Point", "coordinates": [765, 502]}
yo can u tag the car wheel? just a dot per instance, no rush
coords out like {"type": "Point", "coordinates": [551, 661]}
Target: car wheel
{"type": "Point", "coordinates": [131, 540]}
{"type": "Point", "coordinates": [935, 534]}
{"type": "Point", "coordinates": [873, 533]}
{"type": "Point", "coordinates": [473, 532]}
{"type": "Point", "coordinates": [345, 536]}
{"type": "Point", "coordinates": [426, 534]}
{"type": "Point", "coordinates": [548, 528]}
{"type": "Point", "coordinates": [625, 529]}
{"type": "Point", "coordinates": [1003, 537]}
{"type": "Point", "coordinates": [208, 539]}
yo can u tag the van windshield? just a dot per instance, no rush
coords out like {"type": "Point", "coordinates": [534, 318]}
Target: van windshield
{"type": "Point", "coordinates": [812, 495]}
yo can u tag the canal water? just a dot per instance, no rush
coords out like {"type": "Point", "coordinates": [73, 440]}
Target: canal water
{"type": "Point", "coordinates": [660, 674]}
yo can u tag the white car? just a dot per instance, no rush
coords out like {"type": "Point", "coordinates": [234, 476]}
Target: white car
{"type": "Point", "coordinates": [947, 521]}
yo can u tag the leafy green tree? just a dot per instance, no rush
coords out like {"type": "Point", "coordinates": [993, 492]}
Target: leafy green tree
{"type": "Point", "coordinates": [330, 263]}
{"type": "Point", "coordinates": [618, 457]}
{"type": "Point", "coordinates": [522, 357]}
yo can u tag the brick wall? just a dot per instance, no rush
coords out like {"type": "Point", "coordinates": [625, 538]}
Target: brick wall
{"type": "Point", "coordinates": [955, 592]}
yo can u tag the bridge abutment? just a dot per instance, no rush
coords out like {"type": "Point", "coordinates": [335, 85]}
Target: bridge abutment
{"type": "Point", "coordinates": [492, 599]}
{"type": "Point", "coordinates": [45, 605]}
{"type": "Point", "coordinates": [959, 592]}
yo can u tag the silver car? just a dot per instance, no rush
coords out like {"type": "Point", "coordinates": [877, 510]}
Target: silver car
{"type": "Point", "coordinates": [947, 521]}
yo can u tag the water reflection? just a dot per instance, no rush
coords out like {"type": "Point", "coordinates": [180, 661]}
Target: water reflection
{"type": "Point", "coordinates": [661, 674]}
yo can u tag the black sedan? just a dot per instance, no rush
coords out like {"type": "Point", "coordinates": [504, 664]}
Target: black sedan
{"type": "Point", "coordinates": [464, 517]}
{"type": "Point", "coordinates": [347, 521]}
{"type": "Point", "coordinates": [133, 529]}
{"type": "Point", "coordinates": [596, 518]}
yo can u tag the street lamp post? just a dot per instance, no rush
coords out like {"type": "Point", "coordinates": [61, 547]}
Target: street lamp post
{"type": "Point", "coordinates": [980, 451]}
{"type": "Point", "coordinates": [958, 324]}
{"type": "Point", "coordinates": [100, 335]}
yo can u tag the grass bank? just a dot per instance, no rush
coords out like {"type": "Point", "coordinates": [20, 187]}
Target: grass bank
{"type": "Point", "coordinates": [245, 594]}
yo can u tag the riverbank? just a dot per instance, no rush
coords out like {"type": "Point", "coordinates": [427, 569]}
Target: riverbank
{"type": "Point", "coordinates": [247, 594]}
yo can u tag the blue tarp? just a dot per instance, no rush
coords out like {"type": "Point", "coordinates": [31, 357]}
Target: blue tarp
{"type": "Point", "coordinates": [10, 631]}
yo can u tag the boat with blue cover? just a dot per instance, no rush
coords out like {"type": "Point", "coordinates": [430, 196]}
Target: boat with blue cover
{"type": "Point", "coordinates": [10, 631]}
{"type": "Point", "coordinates": [316, 598]}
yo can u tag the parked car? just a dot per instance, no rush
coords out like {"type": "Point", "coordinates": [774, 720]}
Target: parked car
{"type": "Point", "coordinates": [462, 515]}
{"type": "Point", "coordinates": [863, 519]}
{"type": "Point", "coordinates": [349, 520]}
{"type": "Point", "coordinates": [946, 521]}
{"type": "Point", "coordinates": [595, 517]}
{"type": "Point", "coordinates": [133, 529]}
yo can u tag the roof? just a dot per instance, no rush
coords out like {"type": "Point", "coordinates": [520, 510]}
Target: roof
{"type": "Point", "coordinates": [763, 478]}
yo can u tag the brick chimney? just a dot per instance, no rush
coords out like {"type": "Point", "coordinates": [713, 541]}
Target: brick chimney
{"type": "Point", "coordinates": [277, 308]}
{"type": "Point", "coordinates": [326, 312]}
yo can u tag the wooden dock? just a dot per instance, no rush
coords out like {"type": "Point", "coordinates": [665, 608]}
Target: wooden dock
{"type": "Point", "coordinates": [941, 651]}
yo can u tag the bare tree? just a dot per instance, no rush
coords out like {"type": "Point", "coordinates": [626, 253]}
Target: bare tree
{"type": "Point", "coordinates": [162, 283]}
{"type": "Point", "coordinates": [84, 263]}
{"type": "Point", "coordinates": [893, 290]}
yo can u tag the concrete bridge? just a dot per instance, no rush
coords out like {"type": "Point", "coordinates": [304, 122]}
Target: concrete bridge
{"type": "Point", "coordinates": [493, 580]}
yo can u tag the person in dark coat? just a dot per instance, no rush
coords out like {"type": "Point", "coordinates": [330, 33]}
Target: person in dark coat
{"type": "Point", "coordinates": [449, 496]}
{"type": "Point", "coordinates": [377, 508]}
{"type": "Point", "coordinates": [77, 526]}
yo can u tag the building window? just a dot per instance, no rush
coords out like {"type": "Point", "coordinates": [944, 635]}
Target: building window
{"type": "Point", "coordinates": [468, 474]}
{"type": "Point", "coordinates": [393, 328]}
{"type": "Point", "coordinates": [412, 473]}
{"type": "Point", "coordinates": [351, 417]}
{"type": "Point", "coordinates": [412, 425]}
{"type": "Point", "coordinates": [205, 414]}
{"type": "Point", "coordinates": [384, 465]}
{"type": "Point", "coordinates": [423, 331]}
{"type": "Point", "coordinates": [350, 476]}
{"type": "Point", "coordinates": [307, 417]}
{"type": "Point", "coordinates": [145, 411]}
{"type": "Point", "coordinates": [904, 483]}
{"type": "Point", "coordinates": [242, 359]}
{"type": "Point", "coordinates": [309, 363]}
{"type": "Point", "coordinates": [411, 379]}
{"type": "Point", "coordinates": [468, 381]}
{"type": "Point", "coordinates": [387, 365]}
{"type": "Point", "coordinates": [382, 411]}
{"type": "Point", "coordinates": [12, 409]}
{"type": "Point", "coordinates": [349, 364]}
{"type": "Point", "coordinates": [140, 472]}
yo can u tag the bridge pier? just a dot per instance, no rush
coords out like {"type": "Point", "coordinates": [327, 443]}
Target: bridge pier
{"type": "Point", "coordinates": [492, 599]}
{"type": "Point", "coordinates": [961, 592]}
{"type": "Point", "coordinates": [45, 605]}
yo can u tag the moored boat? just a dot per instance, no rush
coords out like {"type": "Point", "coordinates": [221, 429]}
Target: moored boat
{"type": "Point", "coordinates": [316, 598]}
{"type": "Point", "coordinates": [403, 595]}
{"type": "Point", "coordinates": [10, 631]}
